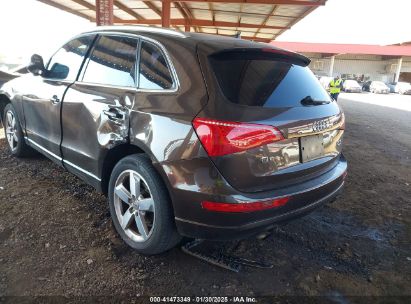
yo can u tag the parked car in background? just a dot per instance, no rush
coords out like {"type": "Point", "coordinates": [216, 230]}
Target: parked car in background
{"type": "Point", "coordinates": [325, 81]}
{"type": "Point", "coordinates": [378, 87]}
{"type": "Point", "coordinates": [351, 86]}
{"type": "Point", "coordinates": [7, 76]}
{"type": "Point", "coordinates": [400, 87]}
{"type": "Point", "coordinates": [187, 134]}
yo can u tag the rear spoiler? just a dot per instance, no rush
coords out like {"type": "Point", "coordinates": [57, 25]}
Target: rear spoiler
{"type": "Point", "coordinates": [265, 53]}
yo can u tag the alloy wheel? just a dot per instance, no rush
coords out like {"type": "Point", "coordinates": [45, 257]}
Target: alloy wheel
{"type": "Point", "coordinates": [134, 206]}
{"type": "Point", "coordinates": [11, 130]}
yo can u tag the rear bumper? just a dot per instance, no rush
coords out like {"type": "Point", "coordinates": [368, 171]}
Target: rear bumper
{"type": "Point", "coordinates": [194, 221]}
{"type": "Point", "coordinates": [204, 231]}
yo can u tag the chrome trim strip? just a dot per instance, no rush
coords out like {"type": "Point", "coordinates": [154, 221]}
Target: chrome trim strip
{"type": "Point", "coordinates": [60, 159]}
{"type": "Point", "coordinates": [43, 149]}
{"type": "Point", "coordinates": [102, 85]}
{"type": "Point", "coordinates": [81, 170]}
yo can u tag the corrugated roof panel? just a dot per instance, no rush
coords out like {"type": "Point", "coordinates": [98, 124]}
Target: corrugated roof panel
{"type": "Point", "coordinates": [269, 31]}
{"type": "Point", "coordinates": [122, 14]}
{"type": "Point", "coordinates": [225, 17]}
{"type": "Point", "coordinates": [71, 5]}
{"type": "Point", "coordinates": [266, 36]}
{"type": "Point", "coordinates": [278, 21]}
{"type": "Point", "coordinates": [175, 14]}
{"type": "Point", "coordinates": [252, 19]}
{"type": "Point", "coordinates": [258, 9]}
{"type": "Point", "coordinates": [136, 4]}
{"type": "Point", "coordinates": [193, 5]}
{"type": "Point", "coordinates": [146, 13]}
{"type": "Point", "coordinates": [226, 32]}
{"type": "Point", "coordinates": [202, 14]}
{"type": "Point", "coordinates": [230, 12]}
{"type": "Point", "coordinates": [209, 30]}
{"type": "Point", "coordinates": [226, 6]}
{"type": "Point", "coordinates": [290, 10]}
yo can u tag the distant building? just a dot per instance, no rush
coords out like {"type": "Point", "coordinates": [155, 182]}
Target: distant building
{"type": "Point", "coordinates": [355, 61]}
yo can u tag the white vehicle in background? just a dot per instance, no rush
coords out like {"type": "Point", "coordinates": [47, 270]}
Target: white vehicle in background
{"type": "Point", "coordinates": [400, 87]}
{"type": "Point", "coordinates": [378, 87]}
{"type": "Point", "coordinates": [351, 86]}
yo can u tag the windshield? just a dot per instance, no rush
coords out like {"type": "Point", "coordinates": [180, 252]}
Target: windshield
{"type": "Point", "coordinates": [263, 82]}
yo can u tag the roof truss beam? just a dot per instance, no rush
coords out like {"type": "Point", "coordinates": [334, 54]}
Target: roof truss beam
{"type": "Point", "coordinates": [67, 9]}
{"type": "Point", "coordinates": [201, 22]}
{"type": "Point", "coordinates": [127, 9]}
{"type": "Point", "coordinates": [273, 2]}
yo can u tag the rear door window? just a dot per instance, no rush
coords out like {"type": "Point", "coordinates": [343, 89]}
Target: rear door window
{"type": "Point", "coordinates": [255, 80]}
{"type": "Point", "coordinates": [154, 72]}
{"type": "Point", "coordinates": [113, 62]}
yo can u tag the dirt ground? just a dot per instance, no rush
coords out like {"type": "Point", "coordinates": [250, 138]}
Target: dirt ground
{"type": "Point", "coordinates": [56, 236]}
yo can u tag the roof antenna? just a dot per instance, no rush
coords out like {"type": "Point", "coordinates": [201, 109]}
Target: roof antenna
{"type": "Point", "coordinates": [238, 35]}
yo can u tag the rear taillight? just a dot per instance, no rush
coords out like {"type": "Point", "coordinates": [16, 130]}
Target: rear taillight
{"type": "Point", "coordinates": [223, 137]}
{"type": "Point", "coordinates": [245, 207]}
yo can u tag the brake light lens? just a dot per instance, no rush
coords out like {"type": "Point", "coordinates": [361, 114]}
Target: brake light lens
{"type": "Point", "coordinates": [223, 137]}
{"type": "Point", "coordinates": [244, 207]}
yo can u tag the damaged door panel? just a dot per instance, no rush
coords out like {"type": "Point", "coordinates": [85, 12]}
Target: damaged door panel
{"type": "Point", "coordinates": [94, 120]}
{"type": "Point", "coordinates": [96, 108]}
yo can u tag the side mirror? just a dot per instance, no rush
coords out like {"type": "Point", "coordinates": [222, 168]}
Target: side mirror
{"type": "Point", "coordinates": [36, 65]}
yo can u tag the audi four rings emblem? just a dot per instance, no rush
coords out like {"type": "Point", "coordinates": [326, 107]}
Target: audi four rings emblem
{"type": "Point", "coordinates": [321, 125]}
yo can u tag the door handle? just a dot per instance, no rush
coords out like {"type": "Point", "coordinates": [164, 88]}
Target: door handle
{"type": "Point", "coordinates": [54, 99]}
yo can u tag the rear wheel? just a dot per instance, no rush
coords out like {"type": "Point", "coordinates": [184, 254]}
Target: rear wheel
{"type": "Point", "coordinates": [140, 206]}
{"type": "Point", "coordinates": [14, 133]}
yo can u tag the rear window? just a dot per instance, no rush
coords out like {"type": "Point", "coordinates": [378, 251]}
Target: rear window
{"type": "Point", "coordinates": [258, 80]}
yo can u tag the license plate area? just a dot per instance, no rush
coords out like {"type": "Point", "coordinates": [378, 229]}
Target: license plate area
{"type": "Point", "coordinates": [311, 147]}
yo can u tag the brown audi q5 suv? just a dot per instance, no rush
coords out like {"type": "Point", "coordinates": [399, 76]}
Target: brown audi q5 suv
{"type": "Point", "coordinates": [188, 134]}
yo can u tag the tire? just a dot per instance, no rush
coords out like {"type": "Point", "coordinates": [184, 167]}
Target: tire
{"type": "Point", "coordinates": [14, 133]}
{"type": "Point", "coordinates": [146, 221]}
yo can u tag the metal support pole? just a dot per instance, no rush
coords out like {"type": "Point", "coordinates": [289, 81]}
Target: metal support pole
{"type": "Point", "coordinates": [104, 12]}
{"type": "Point", "coordinates": [187, 28]}
{"type": "Point", "coordinates": [165, 13]}
{"type": "Point", "coordinates": [331, 71]}
{"type": "Point", "coordinates": [398, 72]}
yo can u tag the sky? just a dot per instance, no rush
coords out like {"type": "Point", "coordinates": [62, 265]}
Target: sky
{"type": "Point", "coordinates": [29, 26]}
{"type": "Point", "coordinates": [355, 21]}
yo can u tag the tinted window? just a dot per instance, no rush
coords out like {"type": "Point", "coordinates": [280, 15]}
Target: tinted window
{"type": "Point", "coordinates": [255, 80]}
{"type": "Point", "coordinates": [113, 62]}
{"type": "Point", "coordinates": [154, 72]}
{"type": "Point", "coordinates": [65, 64]}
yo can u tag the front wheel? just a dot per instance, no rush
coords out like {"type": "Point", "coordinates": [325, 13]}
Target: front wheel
{"type": "Point", "coordinates": [140, 206]}
{"type": "Point", "coordinates": [14, 133]}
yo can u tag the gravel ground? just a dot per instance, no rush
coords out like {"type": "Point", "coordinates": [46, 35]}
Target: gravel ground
{"type": "Point", "coordinates": [56, 237]}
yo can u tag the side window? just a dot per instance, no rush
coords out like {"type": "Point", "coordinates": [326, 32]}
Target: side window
{"type": "Point", "coordinates": [113, 62]}
{"type": "Point", "coordinates": [154, 72]}
{"type": "Point", "coordinates": [65, 64]}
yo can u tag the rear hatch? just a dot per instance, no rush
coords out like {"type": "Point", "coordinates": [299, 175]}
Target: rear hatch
{"type": "Point", "coordinates": [268, 123]}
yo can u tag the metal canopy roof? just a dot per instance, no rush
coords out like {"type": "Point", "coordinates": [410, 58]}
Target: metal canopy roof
{"type": "Point", "coordinates": [260, 20]}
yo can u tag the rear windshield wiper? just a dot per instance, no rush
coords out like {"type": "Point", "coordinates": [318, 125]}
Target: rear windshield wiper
{"type": "Point", "coordinates": [309, 101]}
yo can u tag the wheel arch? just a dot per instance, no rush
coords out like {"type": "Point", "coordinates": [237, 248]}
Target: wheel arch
{"type": "Point", "coordinates": [112, 157]}
{"type": "Point", "coordinates": [115, 154]}
{"type": "Point", "coordinates": [4, 101]}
